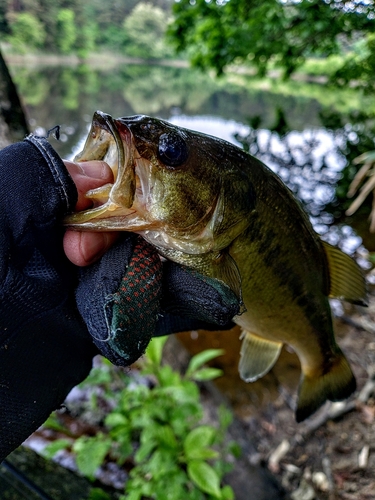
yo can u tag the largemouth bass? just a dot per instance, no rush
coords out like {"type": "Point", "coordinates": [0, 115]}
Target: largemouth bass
{"type": "Point", "coordinates": [209, 205]}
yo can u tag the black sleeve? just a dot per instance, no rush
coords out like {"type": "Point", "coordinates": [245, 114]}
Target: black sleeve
{"type": "Point", "coordinates": [44, 346]}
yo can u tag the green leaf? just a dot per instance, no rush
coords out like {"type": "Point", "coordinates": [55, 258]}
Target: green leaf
{"type": "Point", "coordinates": [167, 377]}
{"type": "Point", "coordinates": [53, 423]}
{"type": "Point", "coordinates": [235, 449]}
{"type": "Point", "coordinates": [155, 349]}
{"type": "Point", "coordinates": [200, 359]}
{"type": "Point", "coordinates": [199, 437]}
{"type": "Point", "coordinates": [203, 454]}
{"type": "Point", "coordinates": [205, 477]}
{"type": "Point", "coordinates": [166, 437]}
{"type": "Point", "coordinates": [206, 374]}
{"type": "Point", "coordinates": [145, 449]}
{"type": "Point", "coordinates": [116, 419]}
{"type": "Point", "coordinates": [225, 417]}
{"type": "Point", "coordinates": [132, 495]}
{"type": "Point", "coordinates": [227, 493]}
{"type": "Point", "coordinates": [98, 494]}
{"type": "Point", "coordinates": [51, 449]}
{"type": "Point", "coordinates": [90, 453]}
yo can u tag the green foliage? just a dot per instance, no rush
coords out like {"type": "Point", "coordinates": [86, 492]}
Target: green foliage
{"type": "Point", "coordinates": [322, 66]}
{"type": "Point", "coordinates": [27, 32]}
{"type": "Point", "coordinates": [98, 494]}
{"type": "Point", "coordinates": [86, 39]}
{"type": "Point", "coordinates": [145, 27]}
{"type": "Point", "coordinates": [158, 429]}
{"type": "Point", "coordinates": [195, 372]}
{"type": "Point", "coordinates": [218, 33]}
{"type": "Point", "coordinates": [359, 66]}
{"type": "Point", "coordinates": [356, 132]}
{"type": "Point", "coordinates": [66, 31]}
{"type": "Point", "coordinates": [66, 27]}
{"type": "Point", "coordinates": [90, 453]}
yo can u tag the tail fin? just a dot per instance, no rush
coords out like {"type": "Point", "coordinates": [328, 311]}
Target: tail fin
{"type": "Point", "coordinates": [335, 385]}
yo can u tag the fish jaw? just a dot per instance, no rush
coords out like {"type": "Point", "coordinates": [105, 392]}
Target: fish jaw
{"type": "Point", "coordinates": [111, 141]}
{"type": "Point", "coordinates": [136, 201]}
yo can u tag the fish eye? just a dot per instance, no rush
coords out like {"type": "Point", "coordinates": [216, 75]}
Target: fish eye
{"type": "Point", "coordinates": [173, 150]}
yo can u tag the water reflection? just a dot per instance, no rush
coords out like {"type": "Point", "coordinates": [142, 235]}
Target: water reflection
{"type": "Point", "coordinates": [290, 130]}
{"type": "Point", "coordinates": [313, 163]}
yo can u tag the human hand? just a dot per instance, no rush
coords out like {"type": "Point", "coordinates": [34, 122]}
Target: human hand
{"type": "Point", "coordinates": [83, 248]}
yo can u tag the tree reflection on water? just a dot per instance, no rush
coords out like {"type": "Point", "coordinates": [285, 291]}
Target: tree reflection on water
{"type": "Point", "coordinates": [316, 164]}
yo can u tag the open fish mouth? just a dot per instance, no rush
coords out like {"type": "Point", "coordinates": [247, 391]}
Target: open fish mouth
{"type": "Point", "coordinates": [154, 193]}
{"type": "Point", "coordinates": [120, 205]}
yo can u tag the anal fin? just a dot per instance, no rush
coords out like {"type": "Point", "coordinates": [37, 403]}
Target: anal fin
{"type": "Point", "coordinates": [258, 356]}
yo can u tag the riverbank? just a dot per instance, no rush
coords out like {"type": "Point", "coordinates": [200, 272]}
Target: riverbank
{"type": "Point", "coordinates": [103, 61]}
{"type": "Point", "coordinates": [312, 72]}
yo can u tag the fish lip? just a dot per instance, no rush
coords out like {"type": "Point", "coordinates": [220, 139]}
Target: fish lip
{"type": "Point", "coordinates": [107, 122]}
{"type": "Point", "coordinates": [122, 192]}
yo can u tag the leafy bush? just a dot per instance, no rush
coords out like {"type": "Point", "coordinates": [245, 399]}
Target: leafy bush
{"type": "Point", "coordinates": [159, 430]}
{"type": "Point", "coordinates": [27, 32]}
{"type": "Point", "coordinates": [66, 31]}
{"type": "Point", "coordinates": [145, 29]}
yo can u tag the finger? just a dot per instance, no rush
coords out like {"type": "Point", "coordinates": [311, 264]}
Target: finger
{"type": "Point", "coordinates": [84, 248]}
{"type": "Point", "coordinates": [88, 175]}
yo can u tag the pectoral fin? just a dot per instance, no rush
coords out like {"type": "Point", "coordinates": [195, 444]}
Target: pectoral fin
{"type": "Point", "coordinates": [258, 356]}
{"type": "Point", "coordinates": [225, 269]}
{"type": "Point", "coordinates": [346, 278]}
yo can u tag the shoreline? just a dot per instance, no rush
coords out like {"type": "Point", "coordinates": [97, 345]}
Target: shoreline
{"type": "Point", "coordinates": [95, 60]}
{"type": "Point", "coordinates": [107, 61]}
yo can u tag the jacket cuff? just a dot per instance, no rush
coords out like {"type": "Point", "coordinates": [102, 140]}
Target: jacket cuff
{"type": "Point", "coordinates": [62, 179]}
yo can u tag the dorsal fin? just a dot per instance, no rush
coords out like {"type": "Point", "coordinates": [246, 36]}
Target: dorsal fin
{"type": "Point", "coordinates": [346, 279]}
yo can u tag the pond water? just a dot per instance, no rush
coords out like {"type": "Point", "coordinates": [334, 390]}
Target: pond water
{"type": "Point", "coordinates": [301, 131]}
{"type": "Point", "coordinates": [307, 134]}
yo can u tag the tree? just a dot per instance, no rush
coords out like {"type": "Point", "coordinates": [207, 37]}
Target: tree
{"type": "Point", "coordinates": [145, 28]}
{"type": "Point", "coordinates": [218, 33]}
{"type": "Point", "coordinates": [13, 124]}
{"type": "Point", "coordinates": [66, 31]}
{"type": "Point", "coordinates": [26, 31]}
{"type": "Point", "coordinates": [4, 26]}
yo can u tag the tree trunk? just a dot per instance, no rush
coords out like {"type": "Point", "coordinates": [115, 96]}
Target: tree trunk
{"type": "Point", "coordinates": [13, 125]}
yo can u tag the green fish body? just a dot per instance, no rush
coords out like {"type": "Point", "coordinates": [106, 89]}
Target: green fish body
{"type": "Point", "coordinates": [207, 204]}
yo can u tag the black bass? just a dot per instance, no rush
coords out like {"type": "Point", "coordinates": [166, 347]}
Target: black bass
{"type": "Point", "coordinates": [209, 205]}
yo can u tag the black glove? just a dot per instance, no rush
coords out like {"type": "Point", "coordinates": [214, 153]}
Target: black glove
{"type": "Point", "coordinates": [45, 347]}
{"type": "Point", "coordinates": [125, 300]}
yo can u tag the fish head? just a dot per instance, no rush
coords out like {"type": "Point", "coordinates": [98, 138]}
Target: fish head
{"type": "Point", "coordinates": [176, 187]}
